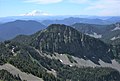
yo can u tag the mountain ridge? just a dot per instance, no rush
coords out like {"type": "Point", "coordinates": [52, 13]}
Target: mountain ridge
{"type": "Point", "coordinates": [106, 33]}
{"type": "Point", "coordinates": [34, 54]}
{"type": "Point", "coordinates": [12, 29]}
{"type": "Point", "coordinates": [65, 39]}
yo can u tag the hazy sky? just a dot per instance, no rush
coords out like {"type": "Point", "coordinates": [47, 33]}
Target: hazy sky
{"type": "Point", "coordinates": [59, 7]}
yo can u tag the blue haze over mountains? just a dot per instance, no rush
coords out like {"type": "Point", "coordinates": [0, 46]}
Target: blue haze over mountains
{"type": "Point", "coordinates": [13, 26]}
{"type": "Point", "coordinates": [70, 47]}
{"type": "Point", "coordinates": [107, 19]}
{"type": "Point", "coordinates": [11, 29]}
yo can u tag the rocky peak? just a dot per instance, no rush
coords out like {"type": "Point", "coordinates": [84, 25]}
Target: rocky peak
{"type": "Point", "coordinates": [66, 40]}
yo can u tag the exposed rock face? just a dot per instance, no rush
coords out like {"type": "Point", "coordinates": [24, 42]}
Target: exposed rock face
{"type": "Point", "coordinates": [67, 40]}
{"type": "Point", "coordinates": [15, 71]}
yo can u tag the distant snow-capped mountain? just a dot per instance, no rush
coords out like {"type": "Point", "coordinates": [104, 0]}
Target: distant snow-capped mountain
{"type": "Point", "coordinates": [35, 13]}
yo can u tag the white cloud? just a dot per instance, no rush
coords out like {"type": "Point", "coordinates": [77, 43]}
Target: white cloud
{"type": "Point", "coordinates": [105, 7]}
{"type": "Point", "coordinates": [92, 7]}
{"type": "Point", "coordinates": [36, 13]}
{"type": "Point", "coordinates": [43, 1]}
{"type": "Point", "coordinates": [100, 7]}
{"type": "Point", "coordinates": [92, 1]}
{"type": "Point", "coordinates": [79, 1]}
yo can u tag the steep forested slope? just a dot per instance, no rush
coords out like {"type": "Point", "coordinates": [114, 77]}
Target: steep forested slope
{"type": "Point", "coordinates": [34, 54]}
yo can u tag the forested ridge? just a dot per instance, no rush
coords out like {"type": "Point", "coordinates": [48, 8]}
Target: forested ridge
{"type": "Point", "coordinates": [22, 52]}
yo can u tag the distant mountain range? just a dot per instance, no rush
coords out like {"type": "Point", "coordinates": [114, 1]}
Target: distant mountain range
{"type": "Point", "coordinates": [65, 19]}
{"type": "Point", "coordinates": [73, 20]}
{"type": "Point", "coordinates": [90, 29]}
{"type": "Point", "coordinates": [12, 29]}
{"type": "Point", "coordinates": [106, 33]}
{"type": "Point", "coordinates": [1, 39]}
{"type": "Point", "coordinates": [59, 53]}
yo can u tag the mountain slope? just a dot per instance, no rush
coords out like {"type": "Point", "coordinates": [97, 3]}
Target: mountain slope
{"type": "Point", "coordinates": [6, 76]}
{"type": "Point", "coordinates": [65, 39]}
{"type": "Point", "coordinates": [107, 33]}
{"type": "Point", "coordinates": [42, 54]}
{"type": "Point", "coordinates": [22, 57]}
{"type": "Point", "coordinates": [73, 20]}
{"type": "Point", "coordinates": [114, 19]}
{"type": "Point", "coordinates": [112, 32]}
{"type": "Point", "coordinates": [12, 29]}
{"type": "Point", "coordinates": [116, 41]}
{"type": "Point", "coordinates": [29, 60]}
{"type": "Point", "coordinates": [90, 29]}
{"type": "Point", "coordinates": [24, 76]}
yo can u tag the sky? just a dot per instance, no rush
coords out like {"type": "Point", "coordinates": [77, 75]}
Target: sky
{"type": "Point", "coordinates": [59, 7]}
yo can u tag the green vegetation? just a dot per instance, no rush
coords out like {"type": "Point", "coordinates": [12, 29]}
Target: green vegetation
{"type": "Point", "coordinates": [30, 61]}
{"type": "Point", "coordinates": [6, 76]}
{"type": "Point", "coordinates": [28, 55]}
{"type": "Point", "coordinates": [116, 51]}
{"type": "Point", "coordinates": [66, 40]}
{"type": "Point", "coordinates": [71, 59]}
{"type": "Point", "coordinates": [89, 74]}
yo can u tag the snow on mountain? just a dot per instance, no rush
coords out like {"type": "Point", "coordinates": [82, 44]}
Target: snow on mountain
{"type": "Point", "coordinates": [95, 35]}
{"type": "Point", "coordinates": [35, 13]}
{"type": "Point", "coordinates": [114, 38]}
{"type": "Point", "coordinates": [117, 27]}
